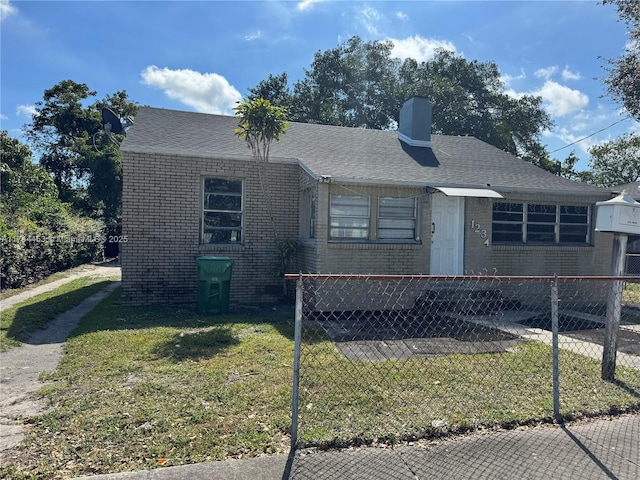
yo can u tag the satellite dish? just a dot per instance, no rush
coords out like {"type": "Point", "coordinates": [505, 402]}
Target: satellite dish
{"type": "Point", "coordinates": [111, 122]}
{"type": "Point", "coordinates": [112, 125]}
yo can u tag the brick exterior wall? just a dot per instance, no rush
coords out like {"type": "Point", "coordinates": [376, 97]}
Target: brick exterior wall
{"type": "Point", "coordinates": [531, 260]}
{"type": "Point", "coordinates": [162, 208]}
{"type": "Point", "coordinates": [369, 257]}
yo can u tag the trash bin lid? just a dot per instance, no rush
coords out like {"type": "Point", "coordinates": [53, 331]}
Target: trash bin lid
{"type": "Point", "coordinates": [210, 265]}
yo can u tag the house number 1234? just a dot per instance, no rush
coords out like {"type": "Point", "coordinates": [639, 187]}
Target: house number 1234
{"type": "Point", "coordinates": [480, 231]}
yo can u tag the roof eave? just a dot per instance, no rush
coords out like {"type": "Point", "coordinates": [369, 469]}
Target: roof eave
{"type": "Point", "coordinates": [199, 154]}
{"type": "Point", "coordinates": [371, 181]}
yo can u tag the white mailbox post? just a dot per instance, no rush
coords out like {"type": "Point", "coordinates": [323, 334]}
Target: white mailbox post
{"type": "Point", "coordinates": [620, 216]}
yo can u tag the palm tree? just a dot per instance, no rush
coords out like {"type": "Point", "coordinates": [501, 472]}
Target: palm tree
{"type": "Point", "coordinates": [259, 123]}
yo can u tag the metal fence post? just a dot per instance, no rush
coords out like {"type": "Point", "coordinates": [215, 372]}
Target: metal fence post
{"type": "Point", "coordinates": [614, 306]}
{"type": "Point", "coordinates": [554, 342]}
{"type": "Point", "coordinates": [296, 364]}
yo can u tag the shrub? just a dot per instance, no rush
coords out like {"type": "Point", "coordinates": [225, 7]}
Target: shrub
{"type": "Point", "coordinates": [43, 238]}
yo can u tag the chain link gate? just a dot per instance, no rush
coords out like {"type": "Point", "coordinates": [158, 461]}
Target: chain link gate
{"type": "Point", "coordinates": [386, 360]}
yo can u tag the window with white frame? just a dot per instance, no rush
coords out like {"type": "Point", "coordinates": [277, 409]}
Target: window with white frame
{"type": "Point", "coordinates": [396, 218]}
{"type": "Point", "coordinates": [349, 217]}
{"type": "Point", "coordinates": [541, 223]}
{"type": "Point", "coordinates": [221, 211]}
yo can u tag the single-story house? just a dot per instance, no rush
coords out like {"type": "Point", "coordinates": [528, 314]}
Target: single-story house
{"type": "Point", "coordinates": [360, 201]}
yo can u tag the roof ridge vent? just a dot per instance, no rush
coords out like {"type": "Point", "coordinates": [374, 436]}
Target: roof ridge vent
{"type": "Point", "coordinates": [415, 122]}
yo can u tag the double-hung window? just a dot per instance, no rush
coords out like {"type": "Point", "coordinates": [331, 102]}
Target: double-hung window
{"type": "Point", "coordinates": [222, 211]}
{"type": "Point", "coordinates": [349, 217]}
{"type": "Point", "coordinates": [396, 218]}
{"type": "Point", "coordinates": [541, 223]}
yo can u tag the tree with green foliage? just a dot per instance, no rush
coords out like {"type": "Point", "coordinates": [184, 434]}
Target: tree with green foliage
{"type": "Point", "coordinates": [21, 179]}
{"type": "Point", "coordinates": [273, 89]}
{"type": "Point", "coordinates": [352, 85]}
{"type": "Point", "coordinates": [469, 99]}
{"type": "Point", "coordinates": [359, 84]}
{"type": "Point", "coordinates": [623, 81]}
{"type": "Point", "coordinates": [38, 232]}
{"type": "Point", "coordinates": [259, 124]}
{"type": "Point", "coordinates": [616, 162]}
{"type": "Point", "coordinates": [85, 167]}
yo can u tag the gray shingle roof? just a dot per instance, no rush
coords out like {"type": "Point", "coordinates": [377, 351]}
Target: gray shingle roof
{"type": "Point", "coordinates": [632, 189]}
{"type": "Point", "coordinates": [351, 154]}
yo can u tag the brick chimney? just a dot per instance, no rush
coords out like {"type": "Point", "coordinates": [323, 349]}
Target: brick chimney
{"type": "Point", "coordinates": [415, 122]}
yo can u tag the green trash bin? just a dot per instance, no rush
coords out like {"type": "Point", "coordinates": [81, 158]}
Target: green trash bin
{"type": "Point", "coordinates": [214, 280]}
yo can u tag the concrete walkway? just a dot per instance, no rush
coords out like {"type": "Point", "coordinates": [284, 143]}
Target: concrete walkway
{"type": "Point", "coordinates": [508, 322]}
{"type": "Point", "coordinates": [20, 367]}
{"type": "Point", "coordinates": [98, 270]}
{"type": "Point", "coordinates": [599, 449]}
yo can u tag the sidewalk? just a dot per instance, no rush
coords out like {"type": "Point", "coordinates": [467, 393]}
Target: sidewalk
{"type": "Point", "coordinates": [100, 270]}
{"type": "Point", "coordinates": [20, 367]}
{"type": "Point", "coordinates": [598, 449]}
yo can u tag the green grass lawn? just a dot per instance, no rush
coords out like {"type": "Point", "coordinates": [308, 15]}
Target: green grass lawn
{"type": "Point", "coordinates": [345, 403]}
{"type": "Point", "coordinates": [631, 293]}
{"type": "Point", "coordinates": [140, 385]}
{"type": "Point", "coordinates": [144, 387]}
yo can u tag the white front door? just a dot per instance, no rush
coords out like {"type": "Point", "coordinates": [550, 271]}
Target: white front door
{"type": "Point", "coordinates": [447, 234]}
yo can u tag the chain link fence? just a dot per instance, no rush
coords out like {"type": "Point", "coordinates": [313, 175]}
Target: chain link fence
{"type": "Point", "coordinates": [386, 360]}
{"type": "Point", "coordinates": [632, 265]}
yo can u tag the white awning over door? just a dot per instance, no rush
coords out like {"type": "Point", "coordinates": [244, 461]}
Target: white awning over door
{"type": "Point", "coordinates": [469, 192]}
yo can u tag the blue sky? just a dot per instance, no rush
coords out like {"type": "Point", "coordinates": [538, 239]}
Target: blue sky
{"type": "Point", "coordinates": [205, 55]}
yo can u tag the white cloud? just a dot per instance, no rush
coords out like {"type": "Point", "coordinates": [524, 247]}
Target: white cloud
{"type": "Point", "coordinates": [26, 110]}
{"type": "Point", "coordinates": [3, 117]}
{"type": "Point", "coordinates": [561, 100]}
{"type": "Point", "coordinates": [470, 38]}
{"type": "Point", "coordinates": [546, 73]}
{"type": "Point", "coordinates": [509, 79]}
{"type": "Point", "coordinates": [632, 45]}
{"type": "Point", "coordinates": [402, 16]}
{"type": "Point", "coordinates": [206, 92]}
{"type": "Point", "coordinates": [513, 94]}
{"type": "Point", "coordinates": [569, 75]}
{"type": "Point", "coordinates": [307, 4]}
{"type": "Point", "coordinates": [419, 48]}
{"type": "Point", "coordinates": [6, 9]}
{"type": "Point", "coordinates": [370, 18]}
{"type": "Point", "coordinates": [573, 139]}
{"type": "Point", "coordinates": [253, 36]}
